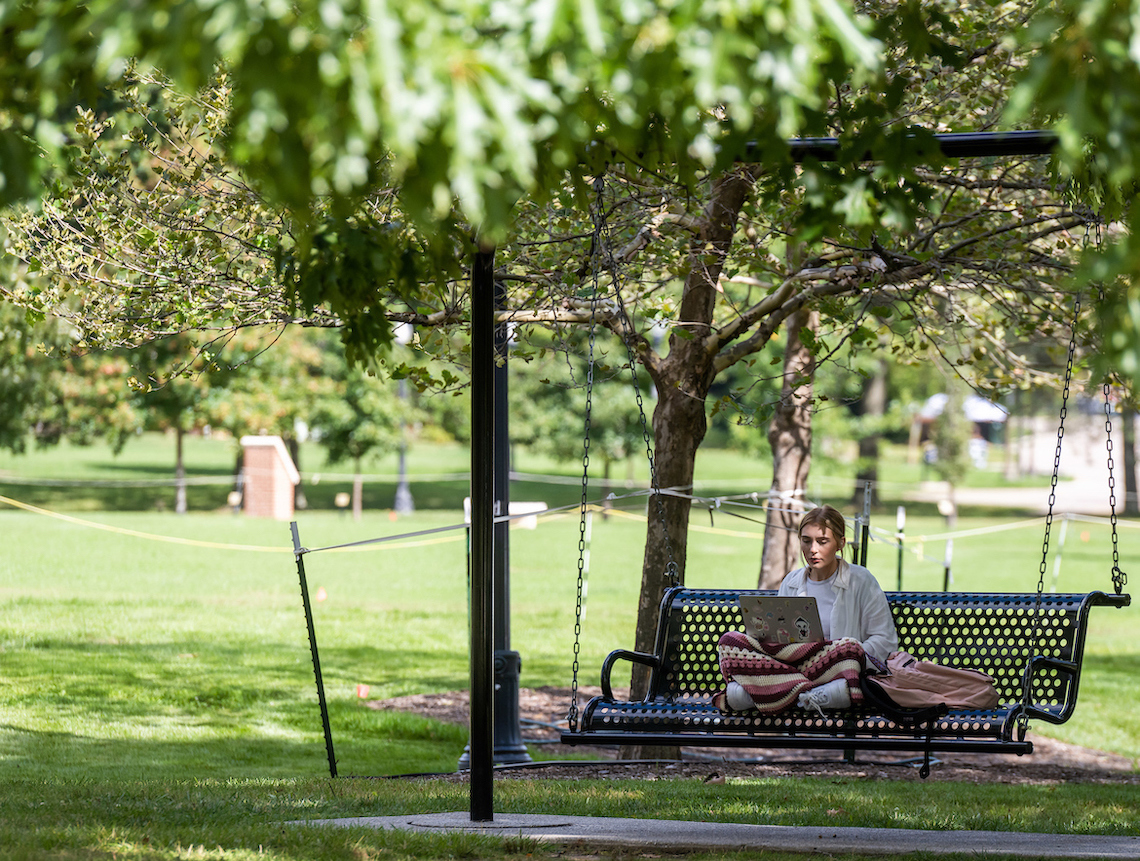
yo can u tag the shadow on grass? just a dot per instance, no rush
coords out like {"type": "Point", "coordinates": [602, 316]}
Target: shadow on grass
{"type": "Point", "coordinates": [194, 708]}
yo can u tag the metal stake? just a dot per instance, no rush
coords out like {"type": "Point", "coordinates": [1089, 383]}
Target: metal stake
{"type": "Point", "coordinates": [299, 553]}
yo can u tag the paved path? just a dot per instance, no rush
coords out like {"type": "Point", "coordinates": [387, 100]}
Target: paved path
{"type": "Point", "coordinates": [1083, 488]}
{"type": "Point", "coordinates": [664, 835]}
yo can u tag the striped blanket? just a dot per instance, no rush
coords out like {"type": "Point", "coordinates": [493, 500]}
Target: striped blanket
{"type": "Point", "coordinates": [775, 674]}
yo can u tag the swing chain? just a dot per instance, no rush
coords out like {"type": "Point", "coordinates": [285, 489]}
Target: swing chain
{"type": "Point", "coordinates": [602, 234]}
{"type": "Point", "coordinates": [595, 254]}
{"type": "Point", "coordinates": [1119, 578]}
{"type": "Point", "coordinates": [1027, 677]}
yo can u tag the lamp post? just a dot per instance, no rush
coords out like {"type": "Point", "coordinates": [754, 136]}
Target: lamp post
{"type": "Point", "coordinates": [403, 504]}
{"type": "Point", "coordinates": [508, 745]}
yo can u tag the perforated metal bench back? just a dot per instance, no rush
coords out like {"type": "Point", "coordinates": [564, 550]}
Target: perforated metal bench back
{"type": "Point", "coordinates": [994, 633]}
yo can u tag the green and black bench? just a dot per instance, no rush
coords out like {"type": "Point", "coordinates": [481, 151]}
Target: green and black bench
{"type": "Point", "coordinates": [1001, 634]}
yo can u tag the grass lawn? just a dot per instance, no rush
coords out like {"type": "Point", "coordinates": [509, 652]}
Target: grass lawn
{"type": "Point", "coordinates": [244, 819]}
{"type": "Point", "coordinates": [157, 695]}
{"type": "Point", "coordinates": [138, 478]}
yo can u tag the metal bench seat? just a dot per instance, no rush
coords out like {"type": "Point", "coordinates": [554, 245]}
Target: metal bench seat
{"type": "Point", "coordinates": [997, 633]}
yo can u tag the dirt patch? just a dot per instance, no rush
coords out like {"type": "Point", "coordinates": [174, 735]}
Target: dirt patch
{"type": "Point", "coordinates": [542, 713]}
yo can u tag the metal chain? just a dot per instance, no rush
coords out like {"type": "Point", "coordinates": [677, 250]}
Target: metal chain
{"type": "Point", "coordinates": [1027, 677]}
{"type": "Point", "coordinates": [671, 569]}
{"type": "Point", "coordinates": [595, 252]}
{"type": "Point", "coordinates": [1119, 578]}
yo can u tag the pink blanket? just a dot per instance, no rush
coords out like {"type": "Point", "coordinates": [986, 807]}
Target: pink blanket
{"type": "Point", "coordinates": [775, 674]}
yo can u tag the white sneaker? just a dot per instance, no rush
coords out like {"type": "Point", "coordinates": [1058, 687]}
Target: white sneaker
{"type": "Point", "coordinates": [833, 695]}
{"type": "Point", "coordinates": [737, 698]}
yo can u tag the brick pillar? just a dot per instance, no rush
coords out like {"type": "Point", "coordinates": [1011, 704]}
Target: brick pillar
{"type": "Point", "coordinates": [270, 477]}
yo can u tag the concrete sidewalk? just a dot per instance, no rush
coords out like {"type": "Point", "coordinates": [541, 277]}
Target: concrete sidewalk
{"type": "Point", "coordinates": [664, 835]}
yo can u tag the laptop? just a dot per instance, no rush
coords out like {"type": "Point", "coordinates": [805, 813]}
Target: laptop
{"type": "Point", "coordinates": [773, 619]}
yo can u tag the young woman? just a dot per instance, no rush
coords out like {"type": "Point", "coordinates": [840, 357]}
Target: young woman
{"type": "Point", "coordinates": [857, 627]}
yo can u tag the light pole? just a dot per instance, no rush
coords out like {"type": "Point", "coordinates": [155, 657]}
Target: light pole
{"type": "Point", "coordinates": [508, 745]}
{"type": "Point", "coordinates": [403, 504]}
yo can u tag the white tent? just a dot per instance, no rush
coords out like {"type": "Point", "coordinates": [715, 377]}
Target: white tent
{"type": "Point", "coordinates": [975, 407]}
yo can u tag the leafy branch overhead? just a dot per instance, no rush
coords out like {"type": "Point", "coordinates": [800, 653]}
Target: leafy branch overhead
{"type": "Point", "coordinates": [475, 102]}
{"type": "Point", "coordinates": [154, 233]}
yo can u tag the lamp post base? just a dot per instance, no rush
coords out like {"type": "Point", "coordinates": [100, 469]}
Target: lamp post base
{"type": "Point", "coordinates": [509, 746]}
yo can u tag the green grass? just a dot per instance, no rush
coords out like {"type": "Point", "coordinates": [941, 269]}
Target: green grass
{"type": "Point", "coordinates": [159, 696]}
{"type": "Point", "coordinates": [240, 819]}
{"type": "Point", "coordinates": [197, 656]}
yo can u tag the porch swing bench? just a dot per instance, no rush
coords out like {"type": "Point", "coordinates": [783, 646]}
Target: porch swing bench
{"type": "Point", "coordinates": [1001, 634]}
{"type": "Point", "coordinates": [1030, 644]}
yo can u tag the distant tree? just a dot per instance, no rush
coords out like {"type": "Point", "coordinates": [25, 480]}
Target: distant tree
{"type": "Point", "coordinates": [31, 387]}
{"type": "Point", "coordinates": [279, 376]}
{"type": "Point", "coordinates": [364, 419]}
{"type": "Point", "coordinates": [171, 384]}
{"type": "Point", "coordinates": [951, 436]}
{"type": "Point", "coordinates": [548, 405]}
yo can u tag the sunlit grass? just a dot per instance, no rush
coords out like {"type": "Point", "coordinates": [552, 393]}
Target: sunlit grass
{"type": "Point", "coordinates": [198, 657]}
{"type": "Point", "coordinates": [159, 699]}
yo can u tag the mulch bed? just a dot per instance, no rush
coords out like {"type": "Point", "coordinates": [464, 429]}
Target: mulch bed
{"type": "Point", "coordinates": [542, 712]}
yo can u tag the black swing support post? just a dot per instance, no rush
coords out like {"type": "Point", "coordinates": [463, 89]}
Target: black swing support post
{"type": "Point", "coordinates": [482, 744]}
{"type": "Point", "coordinates": [865, 537]}
{"type": "Point", "coordinates": [299, 554]}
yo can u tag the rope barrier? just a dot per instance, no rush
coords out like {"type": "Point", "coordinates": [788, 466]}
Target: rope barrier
{"type": "Point", "coordinates": [134, 533]}
{"type": "Point", "coordinates": [878, 534]}
{"type": "Point", "coordinates": [194, 542]}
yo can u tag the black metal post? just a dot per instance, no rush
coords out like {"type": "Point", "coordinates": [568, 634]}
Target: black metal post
{"type": "Point", "coordinates": [509, 746]}
{"type": "Point", "coordinates": [865, 538]}
{"type": "Point", "coordinates": [299, 554]}
{"type": "Point", "coordinates": [482, 534]}
{"type": "Point", "coordinates": [900, 533]}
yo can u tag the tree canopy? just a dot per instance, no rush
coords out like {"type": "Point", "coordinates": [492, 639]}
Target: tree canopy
{"type": "Point", "coordinates": [461, 108]}
{"type": "Point", "coordinates": [475, 101]}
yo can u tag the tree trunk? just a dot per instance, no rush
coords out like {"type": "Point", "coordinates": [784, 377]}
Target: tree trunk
{"type": "Point", "coordinates": [1131, 502]}
{"type": "Point", "coordinates": [874, 407]}
{"type": "Point", "coordinates": [357, 492]}
{"type": "Point", "coordinates": [679, 426]}
{"type": "Point", "coordinates": [682, 380]}
{"type": "Point", "coordinates": [293, 446]}
{"type": "Point", "coordinates": [1011, 468]}
{"type": "Point", "coordinates": [179, 473]}
{"type": "Point", "coordinates": [789, 435]}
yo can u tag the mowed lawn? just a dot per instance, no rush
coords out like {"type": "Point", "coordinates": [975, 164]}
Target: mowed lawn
{"type": "Point", "coordinates": [138, 656]}
{"type": "Point", "coordinates": [141, 643]}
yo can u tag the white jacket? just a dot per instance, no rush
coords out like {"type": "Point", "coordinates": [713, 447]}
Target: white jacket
{"type": "Point", "coordinates": [861, 610]}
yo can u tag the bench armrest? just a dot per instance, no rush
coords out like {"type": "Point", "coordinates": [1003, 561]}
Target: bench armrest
{"type": "Point", "coordinates": [1069, 668]}
{"type": "Point", "coordinates": [620, 654]}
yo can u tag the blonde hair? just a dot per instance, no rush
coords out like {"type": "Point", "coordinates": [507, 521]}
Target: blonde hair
{"type": "Point", "coordinates": [828, 518]}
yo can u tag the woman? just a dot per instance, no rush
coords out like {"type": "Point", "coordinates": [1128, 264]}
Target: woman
{"type": "Point", "coordinates": [857, 626]}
